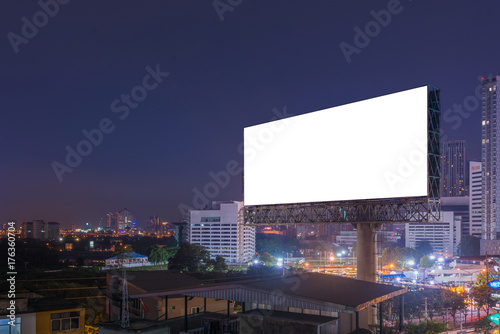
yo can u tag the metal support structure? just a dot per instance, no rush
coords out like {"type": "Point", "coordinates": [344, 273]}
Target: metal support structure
{"type": "Point", "coordinates": [369, 211]}
{"type": "Point", "coordinates": [125, 321]}
{"type": "Point", "coordinates": [204, 304]}
{"type": "Point", "coordinates": [228, 308]}
{"type": "Point", "coordinates": [411, 209]}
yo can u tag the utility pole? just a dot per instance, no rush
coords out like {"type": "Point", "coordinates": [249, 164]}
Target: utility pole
{"type": "Point", "coordinates": [461, 322]}
{"type": "Point", "coordinates": [125, 308]}
{"type": "Point", "coordinates": [486, 263]}
{"type": "Point", "coordinates": [425, 311]}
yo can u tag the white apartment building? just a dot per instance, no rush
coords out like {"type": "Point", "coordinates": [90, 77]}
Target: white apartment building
{"type": "Point", "coordinates": [222, 232]}
{"type": "Point", "coordinates": [475, 199]}
{"type": "Point", "coordinates": [443, 236]}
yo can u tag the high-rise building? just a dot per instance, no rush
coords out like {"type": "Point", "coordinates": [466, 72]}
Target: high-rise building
{"type": "Point", "coordinates": [453, 169]}
{"type": "Point", "coordinates": [443, 236]}
{"type": "Point", "coordinates": [38, 229]}
{"type": "Point", "coordinates": [110, 221]}
{"type": "Point", "coordinates": [34, 229]}
{"type": "Point", "coordinates": [153, 224]}
{"type": "Point", "coordinates": [222, 232]}
{"type": "Point", "coordinates": [489, 158]}
{"type": "Point", "coordinates": [52, 231]}
{"type": "Point", "coordinates": [123, 219]}
{"type": "Point", "coordinates": [475, 199]}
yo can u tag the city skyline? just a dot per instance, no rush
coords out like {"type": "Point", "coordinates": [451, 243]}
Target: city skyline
{"type": "Point", "coordinates": [162, 92]}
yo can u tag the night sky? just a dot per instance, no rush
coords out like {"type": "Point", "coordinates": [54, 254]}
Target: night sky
{"type": "Point", "coordinates": [227, 69]}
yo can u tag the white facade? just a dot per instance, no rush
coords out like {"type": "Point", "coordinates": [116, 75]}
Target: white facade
{"type": "Point", "coordinates": [222, 232]}
{"type": "Point", "coordinates": [443, 236]}
{"type": "Point", "coordinates": [475, 198]}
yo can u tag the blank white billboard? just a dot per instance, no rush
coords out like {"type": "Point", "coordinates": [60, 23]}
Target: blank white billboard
{"type": "Point", "coordinates": [372, 149]}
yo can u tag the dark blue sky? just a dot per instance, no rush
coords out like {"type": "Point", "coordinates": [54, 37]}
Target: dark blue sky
{"type": "Point", "coordinates": [224, 75]}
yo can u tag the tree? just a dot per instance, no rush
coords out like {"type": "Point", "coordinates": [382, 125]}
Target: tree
{"type": "Point", "coordinates": [123, 248]}
{"type": "Point", "coordinates": [427, 327]}
{"type": "Point", "coordinates": [190, 257]}
{"type": "Point", "coordinates": [481, 295]}
{"type": "Point", "coordinates": [397, 256]}
{"type": "Point", "coordinates": [389, 256]}
{"type": "Point", "coordinates": [483, 326]}
{"type": "Point", "coordinates": [219, 263]}
{"type": "Point", "coordinates": [469, 246]}
{"type": "Point", "coordinates": [424, 247]}
{"type": "Point", "coordinates": [267, 259]}
{"type": "Point", "coordinates": [426, 262]}
{"type": "Point", "coordinates": [158, 254]}
{"type": "Point", "coordinates": [143, 245]}
{"type": "Point", "coordinates": [454, 301]}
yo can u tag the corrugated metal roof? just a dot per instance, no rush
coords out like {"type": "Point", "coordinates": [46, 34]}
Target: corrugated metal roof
{"type": "Point", "coordinates": [307, 291]}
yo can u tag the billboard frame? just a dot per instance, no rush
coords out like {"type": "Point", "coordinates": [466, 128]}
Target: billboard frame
{"type": "Point", "coordinates": [410, 209]}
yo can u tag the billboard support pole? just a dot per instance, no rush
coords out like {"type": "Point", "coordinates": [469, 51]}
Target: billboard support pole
{"type": "Point", "coordinates": [366, 254]}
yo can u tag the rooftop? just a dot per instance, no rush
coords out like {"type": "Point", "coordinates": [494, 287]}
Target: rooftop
{"type": "Point", "coordinates": [321, 291]}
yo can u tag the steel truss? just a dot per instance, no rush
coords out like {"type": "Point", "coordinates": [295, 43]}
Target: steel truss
{"type": "Point", "coordinates": [422, 209]}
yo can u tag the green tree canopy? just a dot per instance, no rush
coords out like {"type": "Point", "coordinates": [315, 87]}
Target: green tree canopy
{"type": "Point", "coordinates": [426, 261]}
{"type": "Point", "coordinates": [159, 254]}
{"type": "Point", "coordinates": [481, 295]}
{"type": "Point", "coordinates": [427, 327]}
{"type": "Point", "coordinates": [190, 257]}
{"type": "Point", "coordinates": [267, 259]}
{"type": "Point", "coordinates": [219, 263]}
{"type": "Point", "coordinates": [123, 248]}
{"type": "Point", "coordinates": [398, 256]}
{"type": "Point", "coordinates": [455, 301]}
